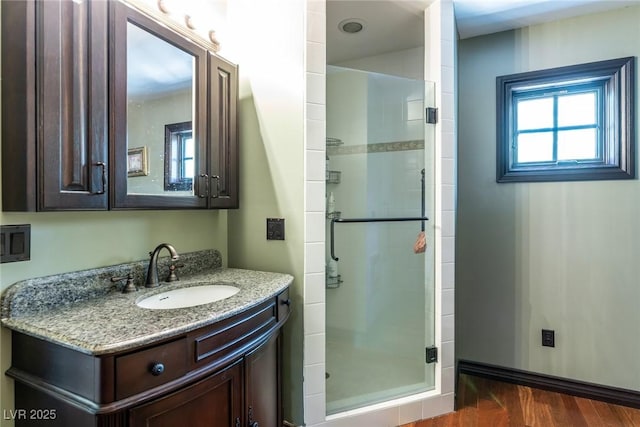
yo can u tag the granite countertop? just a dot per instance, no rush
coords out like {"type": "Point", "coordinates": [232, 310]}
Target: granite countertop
{"type": "Point", "coordinates": [110, 321]}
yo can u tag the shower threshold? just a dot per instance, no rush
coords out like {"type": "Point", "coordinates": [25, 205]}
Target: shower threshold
{"type": "Point", "coordinates": [384, 398]}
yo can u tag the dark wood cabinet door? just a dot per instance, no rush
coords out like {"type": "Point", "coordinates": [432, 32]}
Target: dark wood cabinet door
{"type": "Point", "coordinates": [215, 401]}
{"type": "Point", "coordinates": [127, 129]}
{"type": "Point", "coordinates": [263, 405]}
{"type": "Point", "coordinates": [71, 72]}
{"type": "Point", "coordinates": [223, 163]}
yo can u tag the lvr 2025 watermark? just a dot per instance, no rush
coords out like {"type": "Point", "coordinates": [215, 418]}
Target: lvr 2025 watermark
{"type": "Point", "coordinates": [29, 414]}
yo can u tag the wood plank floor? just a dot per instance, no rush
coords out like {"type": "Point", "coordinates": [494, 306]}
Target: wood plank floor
{"type": "Point", "coordinates": [487, 403]}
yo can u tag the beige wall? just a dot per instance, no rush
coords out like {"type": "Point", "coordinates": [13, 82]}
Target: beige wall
{"type": "Point", "coordinates": [269, 46]}
{"type": "Point", "coordinates": [560, 256]}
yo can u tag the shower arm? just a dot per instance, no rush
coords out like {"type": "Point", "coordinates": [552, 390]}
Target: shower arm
{"type": "Point", "coordinates": [360, 220]}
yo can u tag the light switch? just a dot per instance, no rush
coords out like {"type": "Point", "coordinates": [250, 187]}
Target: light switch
{"type": "Point", "coordinates": [275, 228]}
{"type": "Point", "coordinates": [16, 243]}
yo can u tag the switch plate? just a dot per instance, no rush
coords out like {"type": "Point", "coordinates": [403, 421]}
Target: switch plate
{"type": "Point", "coordinates": [15, 241]}
{"type": "Point", "coordinates": [275, 228]}
{"type": "Point", "coordinates": [548, 338]}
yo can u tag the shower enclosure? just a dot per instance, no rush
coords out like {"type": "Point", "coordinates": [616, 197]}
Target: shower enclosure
{"type": "Point", "coordinates": [380, 191]}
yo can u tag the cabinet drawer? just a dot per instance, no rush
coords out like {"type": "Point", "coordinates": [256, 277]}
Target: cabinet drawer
{"type": "Point", "coordinates": [143, 370]}
{"type": "Point", "coordinates": [235, 335]}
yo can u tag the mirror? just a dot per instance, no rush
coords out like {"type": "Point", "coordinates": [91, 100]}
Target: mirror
{"type": "Point", "coordinates": [161, 149]}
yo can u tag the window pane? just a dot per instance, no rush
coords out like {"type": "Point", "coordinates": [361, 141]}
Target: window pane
{"type": "Point", "coordinates": [535, 147]}
{"type": "Point", "coordinates": [577, 109]}
{"type": "Point", "coordinates": [173, 168]}
{"type": "Point", "coordinates": [188, 169]}
{"type": "Point", "coordinates": [188, 147]}
{"type": "Point", "coordinates": [577, 144]}
{"type": "Point", "coordinates": [535, 113]}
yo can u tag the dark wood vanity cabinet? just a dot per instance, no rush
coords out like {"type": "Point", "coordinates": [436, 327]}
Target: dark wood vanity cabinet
{"type": "Point", "coordinates": [54, 105]}
{"type": "Point", "coordinates": [227, 374]}
{"type": "Point", "coordinates": [217, 401]}
{"type": "Point", "coordinates": [67, 113]}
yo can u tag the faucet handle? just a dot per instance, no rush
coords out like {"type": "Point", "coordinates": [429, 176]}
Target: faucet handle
{"type": "Point", "coordinates": [129, 286]}
{"type": "Point", "coordinates": [173, 277]}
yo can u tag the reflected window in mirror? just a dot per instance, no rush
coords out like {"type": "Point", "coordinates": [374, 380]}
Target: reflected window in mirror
{"type": "Point", "coordinates": [179, 149]}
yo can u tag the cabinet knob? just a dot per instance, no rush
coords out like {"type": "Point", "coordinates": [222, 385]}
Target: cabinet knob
{"type": "Point", "coordinates": [286, 302]}
{"type": "Point", "coordinates": [254, 424]}
{"type": "Point", "coordinates": [156, 369]}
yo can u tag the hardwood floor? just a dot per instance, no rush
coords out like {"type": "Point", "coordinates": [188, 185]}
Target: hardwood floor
{"type": "Point", "coordinates": [487, 403]}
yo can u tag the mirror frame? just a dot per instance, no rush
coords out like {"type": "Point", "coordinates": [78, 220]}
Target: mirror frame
{"type": "Point", "coordinates": [120, 15]}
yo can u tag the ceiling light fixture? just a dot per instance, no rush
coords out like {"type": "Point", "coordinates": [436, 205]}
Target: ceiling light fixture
{"type": "Point", "coordinates": [351, 25]}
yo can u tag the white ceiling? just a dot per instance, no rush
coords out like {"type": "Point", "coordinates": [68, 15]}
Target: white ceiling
{"type": "Point", "coordinates": [396, 25]}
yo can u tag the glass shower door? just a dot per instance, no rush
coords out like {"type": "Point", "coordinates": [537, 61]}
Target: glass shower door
{"type": "Point", "coordinates": [380, 290]}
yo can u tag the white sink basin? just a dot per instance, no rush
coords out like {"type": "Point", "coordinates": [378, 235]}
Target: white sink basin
{"type": "Point", "coordinates": [188, 297]}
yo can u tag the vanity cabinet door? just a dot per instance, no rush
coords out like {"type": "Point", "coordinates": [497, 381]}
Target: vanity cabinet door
{"type": "Point", "coordinates": [72, 72]}
{"type": "Point", "coordinates": [262, 383]}
{"type": "Point", "coordinates": [215, 401]}
{"type": "Point", "coordinates": [55, 117]}
{"type": "Point", "coordinates": [223, 164]}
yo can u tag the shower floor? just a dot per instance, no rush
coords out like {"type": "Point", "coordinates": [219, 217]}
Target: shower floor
{"type": "Point", "coordinates": [360, 376]}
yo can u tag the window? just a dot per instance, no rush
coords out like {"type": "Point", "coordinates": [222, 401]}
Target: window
{"type": "Point", "coordinates": [566, 124]}
{"type": "Point", "coordinates": [179, 156]}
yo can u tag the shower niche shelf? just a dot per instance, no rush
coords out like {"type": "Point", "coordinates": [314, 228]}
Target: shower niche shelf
{"type": "Point", "coordinates": [333, 177]}
{"type": "Point", "coordinates": [334, 282]}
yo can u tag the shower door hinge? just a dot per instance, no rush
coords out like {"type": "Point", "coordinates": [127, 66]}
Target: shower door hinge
{"type": "Point", "coordinates": [432, 354]}
{"type": "Point", "coordinates": [431, 115]}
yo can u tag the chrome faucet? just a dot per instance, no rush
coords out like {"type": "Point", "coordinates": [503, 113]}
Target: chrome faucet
{"type": "Point", "coordinates": [152, 272]}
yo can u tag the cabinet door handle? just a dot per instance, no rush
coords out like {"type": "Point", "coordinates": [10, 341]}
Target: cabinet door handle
{"type": "Point", "coordinates": [286, 302]}
{"type": "Point", "coordinates": [251, 422]}
{"type": "Point", "coordinates": [217, 186]}
{"type": "Point", "coordinates": [103, 165]}
{"type": "Point", "coordinates": [156, 369]}
{"type": "Point", "coordinates": [203, 177]}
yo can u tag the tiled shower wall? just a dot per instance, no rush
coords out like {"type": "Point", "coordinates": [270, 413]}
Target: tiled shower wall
{"type": "Point", "coordinates": [439, 67]}
{"type": "Point", "coordinates": [314, 286]}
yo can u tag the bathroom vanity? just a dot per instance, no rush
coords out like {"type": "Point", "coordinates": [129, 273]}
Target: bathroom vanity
{"type": "Point", "coordinates": [95, 358]}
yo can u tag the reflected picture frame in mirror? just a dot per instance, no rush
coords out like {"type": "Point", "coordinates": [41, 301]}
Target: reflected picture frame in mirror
{"type": "Point", "coordinates": [137, 162]}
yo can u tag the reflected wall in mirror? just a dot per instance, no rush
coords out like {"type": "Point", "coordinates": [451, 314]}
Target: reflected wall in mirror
{"type": "Point", "coordinates": [160, 93]}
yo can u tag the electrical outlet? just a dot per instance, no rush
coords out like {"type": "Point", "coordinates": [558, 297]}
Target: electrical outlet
{"type": "Point", "coordinates": [275, 228]}
{"type": "Point", "coordinates": [548, 338]}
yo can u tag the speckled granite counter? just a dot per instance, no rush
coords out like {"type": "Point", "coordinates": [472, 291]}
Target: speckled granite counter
{"type": "Point", "coordinates": [85, 312]}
